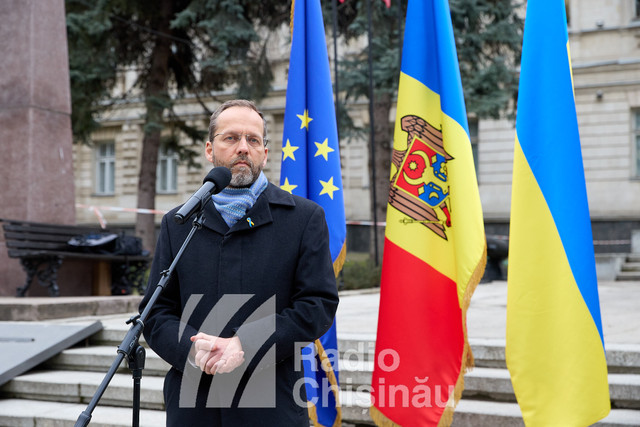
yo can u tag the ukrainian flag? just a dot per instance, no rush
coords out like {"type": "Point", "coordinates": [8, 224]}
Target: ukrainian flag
{"type": "Point", "coordinates": [311, 168]}
{"type": "Point", "coordinates": [555, 345]}
{"type": "Point", "coordinates": [435, 247]}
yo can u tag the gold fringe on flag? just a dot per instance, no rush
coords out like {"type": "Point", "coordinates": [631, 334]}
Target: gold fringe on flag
{"type": "Point", "coordinates": [293, 2]}
{"type": "Point", "coordinates": [339, 262]}
{"type": "Point", "coordinates": [325, 363]}
{"type": "Point", "coordinates": [313, 413]}
{"type": "Point", "coordinates": [467, 354]}
{"type": "Point", "coordinates": [380, 419]}
{"type": "Point", "coordinates": [324, 359]}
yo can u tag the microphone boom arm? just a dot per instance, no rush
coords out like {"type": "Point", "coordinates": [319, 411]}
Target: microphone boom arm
{"type": "Point", "coordinates": [130, 347]}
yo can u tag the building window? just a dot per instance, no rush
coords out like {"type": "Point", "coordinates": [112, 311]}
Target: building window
{"type": "Point", "coordinates": [105, 168]}
{"type": "Point", "coordinates": [167, 171]}
{"type": "Point", "coordinates": [473, 136]}
{"type": "Point", "coordinates": [636, 136]}
{"type": "Point", "coordinates": [637, 15]}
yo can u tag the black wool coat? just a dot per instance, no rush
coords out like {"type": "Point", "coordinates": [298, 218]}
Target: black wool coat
{"type": "Point", "coordinates": [269, 280]}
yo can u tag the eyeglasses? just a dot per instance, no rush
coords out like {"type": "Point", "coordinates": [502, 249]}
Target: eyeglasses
{"type": "Point", "coordinates": [232, 138]}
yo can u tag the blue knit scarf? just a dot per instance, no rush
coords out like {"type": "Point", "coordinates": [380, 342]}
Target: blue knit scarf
{"type": "Point", "coordinates": [233, 203]}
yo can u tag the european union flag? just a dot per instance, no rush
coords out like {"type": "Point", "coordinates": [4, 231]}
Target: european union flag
{"type": "Point", "coordinates": [311, 169]}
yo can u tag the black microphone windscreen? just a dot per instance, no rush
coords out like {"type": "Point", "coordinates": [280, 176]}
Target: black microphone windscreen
{"type": "Point", "coordinates": [220, 176]}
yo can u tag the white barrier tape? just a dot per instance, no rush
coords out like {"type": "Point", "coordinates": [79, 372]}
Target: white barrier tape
{"type": "Point", "coordinates": [379, 224]}
{"type": "Point", "coordinates": [97, 210]}
{"type": "Point", "coordinates": [119, 209]}
{"type": "Point", "coordinates": [101, 220]}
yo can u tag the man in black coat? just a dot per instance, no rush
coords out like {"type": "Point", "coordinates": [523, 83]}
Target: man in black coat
{"type": "Point", "coordinates": [254, 286]}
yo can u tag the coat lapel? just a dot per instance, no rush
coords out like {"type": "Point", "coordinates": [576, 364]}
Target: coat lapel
{"type": "Point", "coordinates": [213, 220]}
{"type": "Point", "coordinates": [257, 216]}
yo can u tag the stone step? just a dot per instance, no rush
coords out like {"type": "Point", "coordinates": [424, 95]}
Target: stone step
{"type": "Point", "coordinates": [479, 413]}
{"type": "Point", "coordinates": [475, 413]}
{"type": "Point", "coordinates": [355, 410]}
{"type": "Point", "coordinates": [628, 275]}
{"type": "Point", "coordinates": [631, 266]}
{"type": "Point", "coordinates": [489, 380]}
{"type": "Point", "coordinates": [46, 309]}
{"type": "Point", "coordinates": [633, 257]}
{"type": "Point", "coordinates": [354, 374]}
{"type": "Point", "coordinates": [481, 382]}
{"type": "Point", "coordinates": [30, 413]}
{"type": "Point", "coordinates": [623, 358]}
{"type": "Point", "coordinates": [113, 332]}
{"type": "Point", "coordinates": [495, 384]}
{"type": "Point", "coordinates": [490, 353]}
{"type": "Point", "coordinates": [354, 348]}
{"type": "Point", "coordinates": [80, 387]}
{"type": "Point", "coordinates": [100, 358]}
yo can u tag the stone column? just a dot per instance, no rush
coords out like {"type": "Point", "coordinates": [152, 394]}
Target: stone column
{"type": "Point", "coordinates": [36, 165]}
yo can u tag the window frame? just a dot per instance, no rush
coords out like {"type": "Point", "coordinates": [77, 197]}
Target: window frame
{"type": "Point", "coordinates": [105, 167]}
{"type": "Point", "coordinates": [167, 165]}
{"type": "Point", "coordinates": [635, 135]}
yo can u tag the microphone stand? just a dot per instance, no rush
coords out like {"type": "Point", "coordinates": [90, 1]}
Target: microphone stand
{"type": "Point", "coordinates": [130, 347]}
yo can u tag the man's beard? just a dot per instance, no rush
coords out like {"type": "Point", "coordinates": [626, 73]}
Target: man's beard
{"type": "Point", "coordinates": [241, 176]}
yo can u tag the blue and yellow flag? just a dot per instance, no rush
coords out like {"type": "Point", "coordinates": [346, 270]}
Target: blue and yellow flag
{"type": "Point", "coordinates": [311, 169]}
{"type": "Point", "coordinates": [435, 247]}
{"type": "Point", "coordinates": [555, 345]}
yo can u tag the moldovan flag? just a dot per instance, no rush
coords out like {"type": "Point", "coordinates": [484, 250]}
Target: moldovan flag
{"type": "Point", "coordinates": [311, 168]}
{"type": "Point", "coordinates": [555, 347]}
{"type": "Point", "coordinates": [435, 247]}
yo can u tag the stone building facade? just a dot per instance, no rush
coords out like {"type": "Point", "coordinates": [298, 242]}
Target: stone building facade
{"type": "Point", "coordinates": [605, 50]}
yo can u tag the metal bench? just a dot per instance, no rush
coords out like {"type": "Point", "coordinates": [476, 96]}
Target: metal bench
{"type": "Point", "coordinates": [42, 248]}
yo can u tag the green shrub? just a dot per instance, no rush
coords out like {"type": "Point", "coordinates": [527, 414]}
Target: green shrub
{"type": "Point", "coordinates": [360, 274]}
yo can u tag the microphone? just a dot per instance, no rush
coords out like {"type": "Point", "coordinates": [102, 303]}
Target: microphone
{"type": "Point", "coordinates": [216, 180]}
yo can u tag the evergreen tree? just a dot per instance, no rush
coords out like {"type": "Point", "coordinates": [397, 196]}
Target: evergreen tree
{"type": "Point", "coordinates": [175, 47]}
{"type": "Point", "coordinates": [488, 36]}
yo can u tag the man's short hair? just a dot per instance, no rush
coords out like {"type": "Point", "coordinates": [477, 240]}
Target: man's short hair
{"type": "Point", "coordinates": [213, 121]}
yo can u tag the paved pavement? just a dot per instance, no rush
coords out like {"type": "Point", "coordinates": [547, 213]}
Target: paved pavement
{"type": "Point", "coordinates": [358, 310]}
{"type": "Point", "coordinates": [486, 318]}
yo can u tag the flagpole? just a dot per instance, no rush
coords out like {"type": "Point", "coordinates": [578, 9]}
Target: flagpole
{"type": "Point", "coordinates": [334, 8]}
{"type": "Point", "coordinates": [400, 32]}
{"type": "Point", "coordinates": [372, 138]}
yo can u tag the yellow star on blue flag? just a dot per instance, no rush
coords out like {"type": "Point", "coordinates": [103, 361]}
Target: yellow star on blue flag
{"type": "Point", "coordinates": [328, 188]}
{"type": "Point", "coordinates": [288, 150]}
{"type": "Point", "coordinates": [323, 149]}
{"type": "Point", "coordinates": [315, 169]}
{"type": "Point", "coordinates": [287, 186]}
{"type": "Point", "coordinates": [304, 119]}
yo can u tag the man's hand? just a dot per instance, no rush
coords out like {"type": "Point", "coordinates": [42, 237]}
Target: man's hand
{"type": "Point", "coordinates": [215, 355]}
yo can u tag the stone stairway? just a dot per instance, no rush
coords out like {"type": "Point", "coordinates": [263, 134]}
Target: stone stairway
{"type": "Point", "coordinates": [630, 269]}
{"type": "Point", "coordinates": [488, 398]}
{"type": "Point", "coordinates": [57, 392]}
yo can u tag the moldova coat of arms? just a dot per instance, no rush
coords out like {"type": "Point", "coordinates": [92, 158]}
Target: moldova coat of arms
{"type": "Point", "coordinates": [420, 187]}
